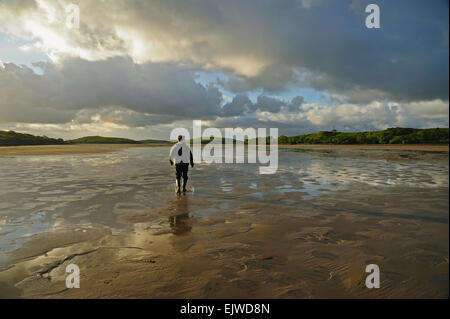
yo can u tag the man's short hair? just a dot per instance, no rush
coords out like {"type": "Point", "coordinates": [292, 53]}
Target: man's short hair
{"type": "Point", "coordinates": [180, 137]}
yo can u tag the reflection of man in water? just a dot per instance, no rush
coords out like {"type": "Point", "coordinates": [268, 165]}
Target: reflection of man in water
{"type": "Point", "coordinates": [179, 225]}
{"type": "Point", "coordinates": [181, 154]}
{"type": "Point", "coordinates": [179, 221]}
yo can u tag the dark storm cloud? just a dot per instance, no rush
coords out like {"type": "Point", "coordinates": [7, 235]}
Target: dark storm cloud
{"type": "Point", "coordinates": [117, 90]}
{"type": "Point", "coordinates": [157, 88]}
{"type": "Point", "coordinates": [405, 60]}
{"type": "Point", "coordinates": [330, 47]}
{"type": "Point", "coordinates": [241, 105]}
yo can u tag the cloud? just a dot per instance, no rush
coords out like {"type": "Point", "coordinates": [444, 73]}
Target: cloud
{"type": "Point", "coordinates": [240, 105]}
{"type": "Point", "coordinates": [139, 90]}
{"type": "Point", "coordinates": [313, 117]}
{"type": "Point", "coordinates": [296, 103]}
{"type": "Point", "coordinates": [156, 88]}
{"type": "Point", "coordinates": [264, 44]}
{"type": "Point", "coordinates": [269, 104]}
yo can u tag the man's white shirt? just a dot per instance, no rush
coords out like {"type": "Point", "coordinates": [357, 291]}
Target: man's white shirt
{"type": "Point", "coordinates": [185, 156]}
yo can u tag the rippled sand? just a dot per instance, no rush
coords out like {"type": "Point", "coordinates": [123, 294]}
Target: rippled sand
{"type": "Point", "coordinates": [307, 231]}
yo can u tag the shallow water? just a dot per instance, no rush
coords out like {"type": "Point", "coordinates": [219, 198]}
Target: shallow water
{"type": "Point", "coordinates": [133, 189]}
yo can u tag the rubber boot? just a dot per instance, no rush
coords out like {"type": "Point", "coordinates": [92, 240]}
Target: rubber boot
{"type": "Point", "coordinates": [178, 185]}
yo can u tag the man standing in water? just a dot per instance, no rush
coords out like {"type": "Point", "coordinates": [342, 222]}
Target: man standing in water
{"type": "Point", "coordinates": [181, 155]}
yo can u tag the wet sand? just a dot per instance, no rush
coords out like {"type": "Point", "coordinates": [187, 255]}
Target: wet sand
{"type": "Point", "coordinates": [306, 232]}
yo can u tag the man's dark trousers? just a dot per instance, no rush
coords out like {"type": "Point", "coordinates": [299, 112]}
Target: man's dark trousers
{"type": "Point", "coordinates": [182, 170]}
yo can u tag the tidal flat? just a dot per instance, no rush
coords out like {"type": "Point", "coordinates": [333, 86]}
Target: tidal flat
{"type": "Point", "coordinates": [307, 231]}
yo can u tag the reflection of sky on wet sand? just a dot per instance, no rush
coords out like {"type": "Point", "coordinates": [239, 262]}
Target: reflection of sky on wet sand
{"type": "Point", "coordinates": [41, 193]}
{"type": "Point", "coordinates": [16, 231]}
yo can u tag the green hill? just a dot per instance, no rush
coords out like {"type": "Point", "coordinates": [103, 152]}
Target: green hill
{"type": "Point", "coordinates": [389, 136]}
{"type": "Point", "coordinates": [11, 138]}
{"type": "Point", "coordinates": [102, 140]}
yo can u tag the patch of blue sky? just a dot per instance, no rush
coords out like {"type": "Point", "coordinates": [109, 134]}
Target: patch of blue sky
{"type": "Point", "coordinates": [18, 51]}
{"type": "Point", "coordinates": [309, 94]}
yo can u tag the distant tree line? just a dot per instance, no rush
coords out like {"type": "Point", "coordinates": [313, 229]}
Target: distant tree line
{"type": "Point", "coordinates": [102, 140]}
{"type": "Point", "coordinates": [395, 135]}
{"type": "Point", "coordinates": [390, 136]}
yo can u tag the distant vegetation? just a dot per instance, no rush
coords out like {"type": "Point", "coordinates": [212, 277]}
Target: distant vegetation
{"type": "Point", "coordinates": [11, 138]}
{"type": "Point", "coordinates": [390, 136]}
{"type": "Point", "coordinates": [102, 140]}
{"type": "Point", "coordinates": [113, 140]}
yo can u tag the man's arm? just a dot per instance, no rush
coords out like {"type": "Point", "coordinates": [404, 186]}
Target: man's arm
{"type": "Point", "coordinates": [192, 159]}
{"type": "Point", "coordinates": [171, 155]}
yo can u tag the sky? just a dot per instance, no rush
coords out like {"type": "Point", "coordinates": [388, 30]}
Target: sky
{"type": "Point", "coordinates": [139, 68]}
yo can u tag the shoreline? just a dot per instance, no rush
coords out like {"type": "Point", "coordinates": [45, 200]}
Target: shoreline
{"type": "Point", "coordinates": [105, 148]}
{"type": "Point", "coordinates": [68, 149]}
{"type": "Point", "coordinates": [368, 147]}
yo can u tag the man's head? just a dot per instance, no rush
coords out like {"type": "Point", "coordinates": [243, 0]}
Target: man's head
{"type": "Point", "coordinates": [180, 138]}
